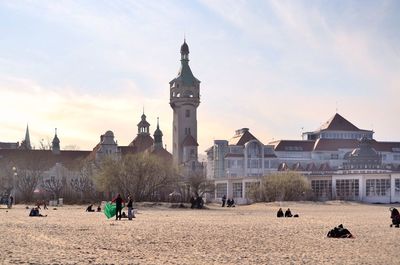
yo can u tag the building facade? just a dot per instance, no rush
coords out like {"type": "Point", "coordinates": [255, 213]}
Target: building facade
{"type": "Point", "coordinates": [340, 160]}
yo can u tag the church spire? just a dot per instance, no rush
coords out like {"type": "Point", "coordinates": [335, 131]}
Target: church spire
{"type": "Point", "coordinates": [158, 136]}
{"type": "Point", "coordinates": [55, 143]}
{"type": "Point", "coordinates": [26, 144]}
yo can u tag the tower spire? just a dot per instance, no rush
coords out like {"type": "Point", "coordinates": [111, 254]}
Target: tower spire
{"type": "Point", "coordinates": [55, 147]}
{"type": "Point", "coordinates": [158, 136]}
{"type": "Point", "coordinates": [27, 140]}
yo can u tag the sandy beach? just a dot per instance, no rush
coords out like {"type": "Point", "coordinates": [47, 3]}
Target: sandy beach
{"type": "Point", "coordinates": [242, 235]}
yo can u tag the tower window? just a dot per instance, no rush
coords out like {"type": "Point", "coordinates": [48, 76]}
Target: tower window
{"type": "Point", "coordinates": [187, 113]}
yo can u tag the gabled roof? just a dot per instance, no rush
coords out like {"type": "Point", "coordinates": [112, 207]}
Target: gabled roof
{"type": "Point", "coordinates": [338, 123]}
{"type": "Point", "coordinates": [242, 138]}
{"type": "Point", "coordinates": [189, 141]}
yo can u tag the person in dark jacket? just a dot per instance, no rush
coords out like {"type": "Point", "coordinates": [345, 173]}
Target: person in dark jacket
{"type": "Point", "coordinates": [223, 200]}
{"type": "Point", "coordinates": [395, 216]}
{"type": "Point", "coordinates": [279, 213]}
{"type": "Point", "coordinates": [131, 214]}
{"type": "Point", "coordinates": [118, 204]}
{"type": "Point", "coordinates": [89, 208]}
{"type": "Point", "coordinates": [288, 213]}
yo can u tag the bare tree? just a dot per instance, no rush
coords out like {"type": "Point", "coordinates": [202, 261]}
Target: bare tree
{"type": "Point", "coordinates": [29, 169]}
{"type": "Point", "coordinates": [143, 175]}
{"type": "Point", "coordinates": [199, 184]}
{"type": "Point", "coordinates": [83, 182]}
{"type": "Point", "coordinates": [6, 177]}
{"type": "Point", "coordinates": [54, 185]}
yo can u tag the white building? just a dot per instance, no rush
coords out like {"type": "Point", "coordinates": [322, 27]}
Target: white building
{"type": "Point", "coordinates": [337, 164]}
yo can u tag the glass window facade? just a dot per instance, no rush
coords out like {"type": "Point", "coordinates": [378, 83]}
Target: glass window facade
{"type": "Point", "coordinates": [221, 189]}
{"type": "Point", "coordinates": [347, 189]}
{"type": "Point", "coordinates": [378, 187]}
{"type": "Point", "coordinates": [237, 189]}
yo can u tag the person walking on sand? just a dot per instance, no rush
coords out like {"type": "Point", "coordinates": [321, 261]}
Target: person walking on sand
{"type": "Point", "coordinates": [131, 214]}
{"type": "Point", "coordinates": [118, 203]}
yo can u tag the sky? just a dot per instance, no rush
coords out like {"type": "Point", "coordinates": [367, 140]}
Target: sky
{"type": "Point", "coordinates": [276, 67]}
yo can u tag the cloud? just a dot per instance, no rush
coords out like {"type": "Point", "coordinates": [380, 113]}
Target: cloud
{"type": "Point", "coordinates": [273, 66]}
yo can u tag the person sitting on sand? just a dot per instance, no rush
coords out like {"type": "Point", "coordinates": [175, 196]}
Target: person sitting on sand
{"type": "Point", "coordinates": [279, 213]}
{"type": "Point", "coordinates": [395, 215]}
{"type": "Point", "coordinates": [230, 203]}
{"type": "Point", "coordinates": [89, 208]}
{"type": "Point", "coordinates": [340, 232]}
{"type": "Point", "coordinates": [35, 213]}
{"type": "Point", "coordinates": [192, 202]}
{"type": "Point", "coordinates": [288, 213]}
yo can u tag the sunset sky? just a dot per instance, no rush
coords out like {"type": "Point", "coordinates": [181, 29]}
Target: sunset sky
{"type": "Point", "coordinates": [275, 67]}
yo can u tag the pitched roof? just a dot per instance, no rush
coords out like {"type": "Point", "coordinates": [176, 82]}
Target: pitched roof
{"type": "Point", "coordinates": [241, 137]}
{"type": "Point", "coordinates": [386, 146]}
{"type": "Point", "coordinates": [294, 145]}
{"type": "Point", "coordinates": [161, 153]}
{"type": "Point", "coordinates": [335, 144]}
{"type": "Point", "coordinates": [142, 142]}
{"type": "Point", "coordinates": [4, 145]}
{"type": "Point", "coordinates": [189, 141]}
{"type": "Point", "coordinates": [338, 123]}
{"type": "Point", "coordinates": [43, 158]}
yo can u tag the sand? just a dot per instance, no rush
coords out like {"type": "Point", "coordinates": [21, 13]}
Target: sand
{"type": "Point", "coordinates": [242, 235]}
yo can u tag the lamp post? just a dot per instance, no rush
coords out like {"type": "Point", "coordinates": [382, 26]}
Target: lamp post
{"type": "Point", "coordinates": [15, 173]}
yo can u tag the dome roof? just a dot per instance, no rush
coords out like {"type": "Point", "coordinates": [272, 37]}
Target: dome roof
{"type": "Point", "coordinates": [109, 134]}
{"type": "Point", "coordinates": [184, 48]}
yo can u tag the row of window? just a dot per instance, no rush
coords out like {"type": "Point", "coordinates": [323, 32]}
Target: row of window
{"type": "Point", "coordinates": [378, 187]}
{"type": "Point", "coordinates": [251, 163]}
{"type": "Point", "coordinates": [344, 135]}
{"type": "Point", "coordinates": [237, 189]}
{"type": "Point", "coordinates": [349, 188]}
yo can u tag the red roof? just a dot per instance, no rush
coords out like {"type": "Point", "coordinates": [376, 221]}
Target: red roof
{"type": "Point", "coordinates": [43, 158]}
{"type": "Point", "coordinates": [189, 141]}
{"type": "Point", "coordinates": [335, 144]}
{"type": "Point", "coordinates": [142, 142]}
{"type": "Point", "coordinates": [161, 153]}
{"type": "Point", "coordinates": [338, 123]}
{"type": "Point", "coordinates": [386, 146]}
{"type": "Point", "coordinates": [294, 145]}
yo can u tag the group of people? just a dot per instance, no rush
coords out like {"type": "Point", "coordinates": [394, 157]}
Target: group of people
{"type": "Point", "coordinates": [196, 202]}
{"type": "Point", "coordinates": [228, 203]}
{"type": "Point", "coordinates": [340, 232]}
{"type": "Point", "coordinates": [119, 204]}
{"type": "Point", "coordinates": [287, 213]}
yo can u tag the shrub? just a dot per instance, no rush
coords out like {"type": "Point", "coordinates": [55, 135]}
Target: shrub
{"type": "Point", "coordinates": [285, 186]}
